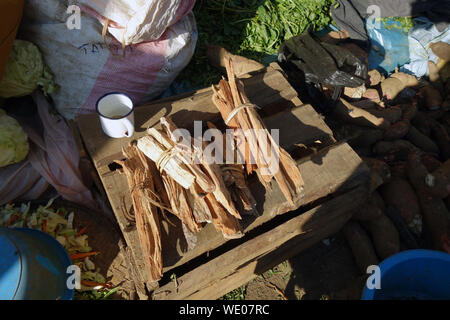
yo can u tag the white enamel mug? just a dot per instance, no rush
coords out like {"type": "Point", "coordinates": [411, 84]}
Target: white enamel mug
{"type": "Point", "coordinates": [116, 112]}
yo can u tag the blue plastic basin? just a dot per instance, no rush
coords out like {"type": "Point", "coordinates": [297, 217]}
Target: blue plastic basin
{"type": "Point", "coordinates": [413, 274]}
{"type": "Point", "coordinates": [33, 266]}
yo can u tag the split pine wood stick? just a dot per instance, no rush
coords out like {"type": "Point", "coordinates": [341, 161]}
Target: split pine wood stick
{"type": "Point", "coordinates": [186, 154]}
{"type": "Point", "coordinates": [221, 193]}
{"type": "Point", "coordinates": [293, 173]}
{"type": "Point", "coordinates": [154, 149]}
{"type": "Point", "coordinates": [279, 175]}
{"type": "Point", "coordinates": [180, 202]}
{"type": "Point", "coordinates": [236, 175]}
{"type": "Point", "coordinates": [232, 82]}
{"type": "Point", "coordinates": [178, 155]}
{"type": "Point", "coordinates": [226, 107]}
{"type": "Point", "coordinates": [213, 171]}
{"type": "Point", "coordinates": [199, 206]}
{"type": "Point", "coordinates": [242, 115]}
{"type": "Point", "coordinates": [189, 226]}
{"type": "Point", "coordinates": [222, 221]}
{"type": "Point", "coordinates": [136, 169]}
{"type": "Point", "coordinates": [159, 186]}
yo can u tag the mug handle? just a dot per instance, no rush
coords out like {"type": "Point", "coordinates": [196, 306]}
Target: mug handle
{"type": "Point", "coordinates": [129, 127]}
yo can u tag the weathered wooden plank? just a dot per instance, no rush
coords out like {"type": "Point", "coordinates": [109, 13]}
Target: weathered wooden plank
{"type": "Point", "coordinates": [117, 190]}
{"type": "Point", "coordinates": [239, 265]}
{"type": "Point", "coordinates": [299, 125]}
{"type": "Point", "coordinates": [323, 175]}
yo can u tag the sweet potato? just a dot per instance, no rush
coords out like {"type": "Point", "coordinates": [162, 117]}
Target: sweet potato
{"type": "Point", "coordinates": [373, 209]}
{"type": "Point", "coordinates": [361, 246]}
{"type": "Point", "coordinates": [436, 214]}
{"type": "Point", "coordinates": [351, 114]}
{"type": "Point", "coordinates": [384, 147]}
{"type": "Point", "coordinates": [372, 94]}
{"type": "Point", "coordinates": [391, 114]}
{"type": "Point", "coordinates": [441, 49]}
{"type": "Point", "coordinates": [398, 81]}
{"type": "Point", "coordinates": [358, 136]}
{"type": "Point", "coordinates": [385, 236]}
{"type": "Point", "coordinates": [447, 202]}
{"type": "Point", "coordinates": [395, 155]}
{"type": "Point", "coordinates": [368, 104]}
{"type": "Point", "coordinates": [409, 110]}
{"type": "Point", "coordinates": [432, 97]}
{"type": "Point", "coordinates": [399, 194]}
{"type": "Point", "coordinates": [420, 121]}
{"type": "Point", "coordinates": [435, 79]}
{"type": "Point", "coordinates": [433, 72]}
{"type": "Point", "coordinates": [391, 87]}
{"type": "Point", "coordinates": [407, 237]}
{"type": "Point", "coordinates": [438, 181]}
{"type": "Point", "coordinates": [407, 79]}
{"type": "Point", "coordinates": [445, 120]}
{"type": "Point", "coordinates": [446, 105]}
{"type": "Point", "coordinates": [379, 172]}
{"type": "Point", "coordinates": [364, 151]}
{"type": "Point", "coordinates": [397, 131]}
{"type": "Point", "coordinates": [398, 169]}
{"type": "Point", "coordinates": [355, 93]}
{"type": "Point", "coordinates": [366, 138]}
{"type": "Point", "coordinates": [422, 141]}
{"type": "Point", "coordinates": [435, 114]}
{"type": "Point", "coordinates": [441, 136]}
{"type": "Point", "coordinates": [430, 162]}
{"type": "Point", "coordinates": [375, 77]}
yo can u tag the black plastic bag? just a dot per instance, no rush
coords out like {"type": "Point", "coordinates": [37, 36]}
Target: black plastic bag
{"type": "Point", "coordinates": [323, 63]}
{"type": "Point", "coordinates": [318, 63]}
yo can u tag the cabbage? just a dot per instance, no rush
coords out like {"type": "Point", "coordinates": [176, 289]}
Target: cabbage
{"type": "Point", "coordinates": [14, 145]}
{"type": "Point", "coordinates": [25, 71]}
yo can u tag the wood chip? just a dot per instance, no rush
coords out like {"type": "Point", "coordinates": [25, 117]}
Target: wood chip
{"type": "Point", "coordinates": [137, 171]}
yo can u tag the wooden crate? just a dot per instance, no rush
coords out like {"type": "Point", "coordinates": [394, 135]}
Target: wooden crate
{"type": "Point", "coordinates": [336, 183]}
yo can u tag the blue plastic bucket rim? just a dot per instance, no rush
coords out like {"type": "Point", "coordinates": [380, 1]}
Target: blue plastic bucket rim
{"type": "Point", "coordinates": [388, 263]}
{"type": "Point", "coordinates": [69, 293]}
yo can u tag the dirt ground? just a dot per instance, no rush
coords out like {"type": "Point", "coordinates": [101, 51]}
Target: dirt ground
{"type": "Point", "coordinates": [325, 271]}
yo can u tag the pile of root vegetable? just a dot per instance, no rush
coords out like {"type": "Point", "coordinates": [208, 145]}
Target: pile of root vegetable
{"type": "Point", "coordinates": [167, 175]}
{"type": "Point", "coordinates": [400, 127]}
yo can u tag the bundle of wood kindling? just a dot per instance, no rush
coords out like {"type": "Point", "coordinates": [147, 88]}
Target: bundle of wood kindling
{"type": "Point", "coordinates": [196, 189]}
{"type": "Point", "coordinates": [162, 175]}
{"type": "Point", "coordinates": [254, 142]}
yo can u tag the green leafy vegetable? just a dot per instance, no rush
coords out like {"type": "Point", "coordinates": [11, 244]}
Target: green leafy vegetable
{"type": "Point", "coordinates": [25, 72]}
{"type": "Point", "coordinates": [253, 28]}
{"type": "Point", "coordinates": [13, 140]}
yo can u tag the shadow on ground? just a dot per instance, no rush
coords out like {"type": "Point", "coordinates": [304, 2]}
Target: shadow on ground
{"type": "Point", "coordinates": [324, 271]}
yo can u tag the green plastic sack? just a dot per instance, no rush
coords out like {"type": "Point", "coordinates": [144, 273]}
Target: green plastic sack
{"type": "Point", "coordinates": [14, 145]}
{"type": "Point", "coordinates": [25, 72]}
